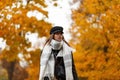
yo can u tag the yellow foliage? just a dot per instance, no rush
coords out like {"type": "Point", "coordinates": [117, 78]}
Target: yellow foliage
{"type": "Point", "coordinates": [96, 39]}
{"type": "Point", "coordinates": [14, 25]}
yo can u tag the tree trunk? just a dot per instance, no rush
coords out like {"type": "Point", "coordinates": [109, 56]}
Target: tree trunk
{"type": "Point", "coordinates": [14, 70]}
{"type": "Point", "coordinates": [9, 66]}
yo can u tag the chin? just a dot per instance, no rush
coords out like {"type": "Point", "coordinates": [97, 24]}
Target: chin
{"type": "Point", "coordinates": [59, 40]}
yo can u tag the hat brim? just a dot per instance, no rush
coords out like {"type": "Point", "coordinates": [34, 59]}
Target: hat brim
{"type": "Point", "coordinates": [57, 31]}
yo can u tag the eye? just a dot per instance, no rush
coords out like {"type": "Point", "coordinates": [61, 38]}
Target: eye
{"type": "Point", "coordinates": [59, 33]}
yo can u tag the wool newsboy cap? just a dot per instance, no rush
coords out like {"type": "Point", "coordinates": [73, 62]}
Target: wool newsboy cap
{"type": "Point", "coordinates": [56, 29]}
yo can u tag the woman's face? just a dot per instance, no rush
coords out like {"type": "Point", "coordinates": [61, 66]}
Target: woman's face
{"type": "Point", "coordinates": [58, 36]}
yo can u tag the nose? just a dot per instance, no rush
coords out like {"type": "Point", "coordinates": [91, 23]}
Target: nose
{"type": "Point", "coordinates": [59, 37]}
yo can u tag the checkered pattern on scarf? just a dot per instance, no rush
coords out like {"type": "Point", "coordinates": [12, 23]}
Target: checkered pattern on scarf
{"type": "Point", "coordinates": [47, 62]}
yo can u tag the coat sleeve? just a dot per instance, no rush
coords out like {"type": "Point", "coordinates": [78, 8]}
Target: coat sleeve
{"type": "Point", "coordinates": [75, 76]}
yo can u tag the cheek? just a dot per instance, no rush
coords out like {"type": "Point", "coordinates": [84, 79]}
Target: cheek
{"type": "Point", "coordinates": [55, 37]}
{"type": "Point", "coordinates": [58, 37]}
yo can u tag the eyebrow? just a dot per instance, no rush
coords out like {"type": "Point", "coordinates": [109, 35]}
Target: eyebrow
{"type": "Point", "coordinates": [58, 33]}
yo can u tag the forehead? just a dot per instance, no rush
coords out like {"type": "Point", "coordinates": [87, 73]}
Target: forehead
{"type": "Point", "coordinates": [59, 33]}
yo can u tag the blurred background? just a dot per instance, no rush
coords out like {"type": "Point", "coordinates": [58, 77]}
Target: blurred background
{"type": "Point", "coordinates": [91, 27]}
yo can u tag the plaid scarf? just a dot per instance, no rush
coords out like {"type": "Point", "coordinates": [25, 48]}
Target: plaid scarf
{"type": "Point", "coordinates": [47, 62]}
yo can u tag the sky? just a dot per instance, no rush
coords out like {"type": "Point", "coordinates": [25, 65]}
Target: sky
{"type": "Point", "coordinates": [59, 15]}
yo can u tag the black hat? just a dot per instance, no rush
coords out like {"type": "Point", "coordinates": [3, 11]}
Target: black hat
{"type": "Point", "coordinates": [56, 29]}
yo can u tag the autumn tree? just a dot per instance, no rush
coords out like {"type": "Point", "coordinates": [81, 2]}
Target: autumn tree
{"type": "Point", "coordinates": [15, 23]}
{"type": "Point", "coordinates": [95, 32]}
{"type": "Point", "coordinates": [3, 72]}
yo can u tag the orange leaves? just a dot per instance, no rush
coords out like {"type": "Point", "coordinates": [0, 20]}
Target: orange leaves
{"type": "Point", "coordinates": [34, 65]}
{"type": "Point", "coordinates": [14, 25]}
{"type": "Point", "coordinates": [41, 2]}
{"type": "Point", "coordinates": [1, 33]}
{"type": "Point", "coordinates": [38, 9]}
{"type": "Point", "coordinates": [4, 3]}
{"type": "Point", "coordinates": [97, 22]}
{"type": "Point", "coordinates": [93, 6]}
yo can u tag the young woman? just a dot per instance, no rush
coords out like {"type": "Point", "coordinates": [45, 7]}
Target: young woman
{"type": "Point", "coordinates": [56, 62]}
